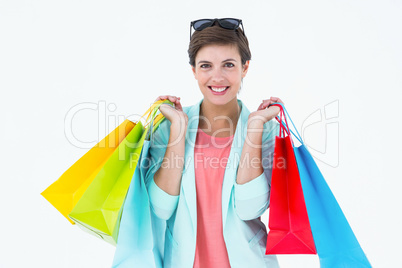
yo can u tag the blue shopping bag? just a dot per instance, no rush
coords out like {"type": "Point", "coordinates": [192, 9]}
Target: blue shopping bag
{"type": "Point", "coordinates": [335, 241]}
{"type": "Point", "coordinates": [141, 236]}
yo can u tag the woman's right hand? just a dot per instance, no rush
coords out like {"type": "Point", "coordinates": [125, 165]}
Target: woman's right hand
{"type": "Point", "coordinates": [168, 176]}
{"type": "Point", "coordinates": [175, 115]}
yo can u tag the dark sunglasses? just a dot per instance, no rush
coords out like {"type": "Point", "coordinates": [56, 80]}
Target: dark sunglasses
{"type": "Point", "coordinates": [226, 23]}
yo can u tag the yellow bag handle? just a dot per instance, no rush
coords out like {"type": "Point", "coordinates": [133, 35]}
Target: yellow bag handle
{"type": "Point", "coordinates": [151, 112]}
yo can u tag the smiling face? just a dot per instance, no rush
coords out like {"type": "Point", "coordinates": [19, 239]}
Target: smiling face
{"type": "Point", "coordinates": [219, 71]}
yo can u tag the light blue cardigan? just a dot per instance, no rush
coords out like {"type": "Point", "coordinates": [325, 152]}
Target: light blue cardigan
{"type": "Point", "coordinates": [242, 205]}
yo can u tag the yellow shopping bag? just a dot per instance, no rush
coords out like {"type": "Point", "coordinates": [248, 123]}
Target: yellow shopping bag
{"type": "Point", "coordinates": [64, 193]}
{"type": "Point", "coordinates": [99, 210]}
{"type": "Point", "coordinates": [99, 162]}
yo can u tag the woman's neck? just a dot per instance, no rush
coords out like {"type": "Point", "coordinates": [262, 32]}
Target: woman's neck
{"type": "Point", "coordinates": [219, 120]}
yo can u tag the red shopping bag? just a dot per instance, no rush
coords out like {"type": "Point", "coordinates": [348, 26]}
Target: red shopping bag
{"type": "Point", "coordinates": [290, 231]}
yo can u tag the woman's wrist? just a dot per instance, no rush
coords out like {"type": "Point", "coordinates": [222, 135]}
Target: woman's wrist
{"type": "Point", "coordinates": [255, 122]}
{"type": "Point", "coordinates": [178, 129]}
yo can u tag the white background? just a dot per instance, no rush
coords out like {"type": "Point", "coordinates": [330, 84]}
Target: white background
{"type": "Point", "coordinates": [57, 54]}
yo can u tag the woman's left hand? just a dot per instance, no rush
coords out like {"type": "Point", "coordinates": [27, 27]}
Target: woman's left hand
{"type": "Point", "coordinates": [264, 114]}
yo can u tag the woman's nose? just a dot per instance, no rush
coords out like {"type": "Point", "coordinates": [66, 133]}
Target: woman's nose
{"type": "Point", "coordinates": [217, 75]}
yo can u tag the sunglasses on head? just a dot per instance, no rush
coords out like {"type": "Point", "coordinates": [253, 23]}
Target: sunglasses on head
{"type": "Point", "coordinates": [226, 23]}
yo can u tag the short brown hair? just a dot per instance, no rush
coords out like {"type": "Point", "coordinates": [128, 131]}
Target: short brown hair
{"type": "Point", "coordinates": [216, 35]}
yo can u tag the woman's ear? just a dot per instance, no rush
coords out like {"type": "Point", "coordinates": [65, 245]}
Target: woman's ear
{"type": "Point", "coordinates": [245, 69]}
{"type": "Point", "coordinates": [194, 73]}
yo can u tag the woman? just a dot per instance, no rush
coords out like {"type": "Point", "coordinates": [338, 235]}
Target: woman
{"type": "Point", "coordinates": [210, 178]}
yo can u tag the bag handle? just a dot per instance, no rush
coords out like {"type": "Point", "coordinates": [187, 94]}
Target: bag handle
{"type": "Point", "coordinates": [150, 113]}
{"type": "Point", "coordinates": [153, 118]}
{"type": "Point", "coordinates": [285, 124]}
{"type": "Point", "coordinates": [281, 118]}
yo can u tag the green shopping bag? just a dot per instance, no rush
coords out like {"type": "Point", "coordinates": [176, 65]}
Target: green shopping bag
{"type": "Point", "coordinates": [64, 193]}
{"type": "Point", "coordinates": [99, 209]}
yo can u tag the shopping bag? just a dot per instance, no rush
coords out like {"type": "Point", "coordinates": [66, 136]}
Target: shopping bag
{"type": "Point", "coordinates": [64, 193]}
{"type": "Point", "coordinates": [335, 241]}
{"type": "Point", "coordinates": [141, 237]}
{"type": "Point", "coordinates": [99, 209]}
{"type": "Point", "coordinates": [142, 234]}
{"type": "Point", "coordinates": [290, 231]}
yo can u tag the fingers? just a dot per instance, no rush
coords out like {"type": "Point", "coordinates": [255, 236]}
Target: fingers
{"type": "Point", "coordinates": [174, 99]}
{"type": "Point", "coordinates": [161, 98]}
{"type": "Point", "coordinates": [276, 99]}
{"type": "Point", "coordinates": [168, 97]}
{"type": "Point", "coordinates": [178, 105]}
{"type": "Point", "coordinates": [266, 103]}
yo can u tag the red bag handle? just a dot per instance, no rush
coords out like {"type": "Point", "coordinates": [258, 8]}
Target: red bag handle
{"type": "Point", "coordinates": [284, 127]}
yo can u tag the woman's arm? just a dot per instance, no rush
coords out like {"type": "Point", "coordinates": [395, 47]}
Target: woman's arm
{"type": "Point", "coordinates": [252, 186]}
{"type": "Point", "coordinates": [252, 198]}
{"type": "Point", "coordinates": [252, 154]}
{"type": "Point", "coordinates": [168, 176]}
{"type": "Point", "coordinates": [165, 175]}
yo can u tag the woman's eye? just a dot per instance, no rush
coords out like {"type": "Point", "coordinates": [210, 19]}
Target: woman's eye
{"type": "Point", "coordinates": [229, 64]}
{"type": "Point", "coordinates": [205, 65]}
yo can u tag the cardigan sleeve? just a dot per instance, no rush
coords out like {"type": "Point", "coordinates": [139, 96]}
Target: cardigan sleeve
{"type": "Point", "coordinates": [252, 198]}
{"type": "Point", "coordinates": [162, 203]}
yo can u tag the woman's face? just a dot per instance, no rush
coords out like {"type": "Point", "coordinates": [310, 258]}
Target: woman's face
{"type": "Point", "coordinates": [219, 71]}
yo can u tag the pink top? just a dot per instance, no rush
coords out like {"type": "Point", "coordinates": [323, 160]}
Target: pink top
{"type": "Point", "coordinates": [211, 155]}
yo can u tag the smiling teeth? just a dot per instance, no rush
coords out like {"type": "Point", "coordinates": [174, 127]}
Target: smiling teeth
{"type": "Point", "coordinates": [219, 89]}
